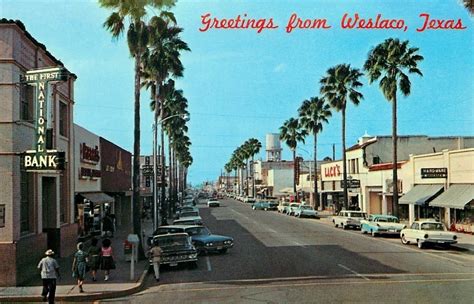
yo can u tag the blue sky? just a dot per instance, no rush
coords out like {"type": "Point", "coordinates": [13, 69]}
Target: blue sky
{"type": "Point", "coordinates": [241, 84]}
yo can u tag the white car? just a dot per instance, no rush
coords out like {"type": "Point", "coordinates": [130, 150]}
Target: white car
{"type": "Point", "coordinates": [213, 203]}
{"type": "Point", "coordinates": [424, 232]}
{"type": "Point", "coordinates": [379, 224]}
{"type": "Point", "coordinates": [349, 219]}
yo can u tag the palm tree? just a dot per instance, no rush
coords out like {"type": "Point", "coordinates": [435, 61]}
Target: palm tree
{"type": "Point", "coordinates": [228, 170]}
{"type": "Point", "coordinates": [253, 148]}
{"type": "Point", "coordinates": [313, 113]}
{"type": "Point", "coordinates": [161, 61]}
{"type": "Point", "coordinates": [133, 12]}
{"type": "Point", "coordinates": [292, 133]}
{"type": "Point", "coordinates": [391, 61]}
{"type": "Point", "coordinates": [338, 87]}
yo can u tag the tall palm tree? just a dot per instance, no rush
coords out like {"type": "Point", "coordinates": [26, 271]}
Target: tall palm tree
{"type": "Point", "coordinates": [133, 12]}
{"type": "Point", "coordinates": [228, 170]}
{"type": "Point", "coordinates": [339, 86]}
{"type": "Point", "coordinates": [292, 133]}
{"type": "Point", "coordinates": [391, 61]}
{"type": "Point", "coordinates": [313, 113]}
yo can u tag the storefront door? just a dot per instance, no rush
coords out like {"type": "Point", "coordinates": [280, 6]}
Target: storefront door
{"type": "Point", "coordinates": [49, 210]}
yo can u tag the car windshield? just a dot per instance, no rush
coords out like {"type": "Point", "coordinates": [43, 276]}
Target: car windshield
{"type": "Point", "coordinates": [388, 220]}
{"type": "Point", "coordinates": [166, 230]}
{"type": "Point", "coordinates": [285, 204]}
{"type": "Point", "coordinates": [187, 209]}
{"type": "Point", "coordinates": [189, 213]}
{"type": "Point", "coordinates": [169, 241]}
{"type": "Point", "coordinates": [306, 208]}
{"type": "Point", "coordinates": [432, 226]}
{"type": "Point", "coordinates": [294, 205]}
{"type": "Point", "coordinates": [356, 214]}
{"type": "Point", "coordinates": [198, 231]}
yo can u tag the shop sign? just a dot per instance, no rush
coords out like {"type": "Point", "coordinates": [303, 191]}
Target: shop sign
{"type": "Point", "coordinates": [147, 170]}
{"type": "Point", "coordinates": [89, 154]}
{"type": "Point", "coordinates": [87, 173]}
{"type": "Point", "coordinates": [50, 160]}
{"type": "Point", "coordinates": [351, 183]}
{"type": "Point", "coordinates": [297, 169]}
{"type": "Point", "coordinates": [332, 171]}
{"type": "Point", "coordinates": [434, 172]}
{"type": "Point", "coordinates": [43, 159]}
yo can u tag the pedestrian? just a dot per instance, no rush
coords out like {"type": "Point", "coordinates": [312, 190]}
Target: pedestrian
{"type": "Point", "coordinates": [94, 258]}
{"type": "Point", "coordinates": [106, 258]}
{"type": "Point", "coordinates": [79, 266]}
{"type": "Point", "coordinates": [108, 225]}
{"type": "Point", "coordinates": [155, 253]}
{"type": "Point", "coordinates": [49, 273]}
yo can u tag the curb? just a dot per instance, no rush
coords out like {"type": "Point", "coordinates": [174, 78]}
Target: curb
{"type": "Point", "coordinates": [83, 297]}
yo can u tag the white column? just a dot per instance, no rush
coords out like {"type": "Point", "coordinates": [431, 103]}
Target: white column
{"type": "Point", "coordinates": [384, 204]}
{"type": "Point", "coordinates": [411, 213]}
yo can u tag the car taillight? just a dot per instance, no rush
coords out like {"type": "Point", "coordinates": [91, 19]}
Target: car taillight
{"type": "Point", "coordinates": [426, 236]}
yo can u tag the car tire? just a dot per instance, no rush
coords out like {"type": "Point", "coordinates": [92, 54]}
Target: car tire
{"type": "Point", "coordinates": [404, 240]}
{"type": "Point", "coordinates": [363, 230]}
{"type": "Point", "coordinates": [420, 244]}
{"type": "Point", "coordinates": [373, 233]}
{"type": "Point", "coordinates": [335, 225]}
{"type": "Point", "coordinates": [344, 227]}
{"type": "Point", "coordinates": [254, 208]}
{"type": "Point", "coordinates": [223, 251]}
{"type": "Point", "coordinates": [299, 215]}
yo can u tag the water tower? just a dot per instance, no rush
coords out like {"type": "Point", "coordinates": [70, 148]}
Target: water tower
{"type": "Point", "coordinates": [273, 147]}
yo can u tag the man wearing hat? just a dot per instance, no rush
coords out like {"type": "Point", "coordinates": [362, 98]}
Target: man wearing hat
{"type": "Point", "coordinates": [49, 273]}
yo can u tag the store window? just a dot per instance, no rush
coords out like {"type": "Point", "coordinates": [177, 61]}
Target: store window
{"type": "Point", "coordinates": [63, 119]}
{"type": "Point", "coordinates": [26, 202]}
{"type": "Point", "coordinates": [26, 102]}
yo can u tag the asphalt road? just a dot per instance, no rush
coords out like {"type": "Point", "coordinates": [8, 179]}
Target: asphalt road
{"type": "Point", "coordinates": [283, 259]}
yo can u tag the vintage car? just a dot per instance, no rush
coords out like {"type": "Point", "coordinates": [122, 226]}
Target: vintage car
{"type": "Point", "coordinates": [201, 236]}
{"type": "Point", "coordinates": [265, 205]}
{"type": "Point", "coordinates": [177, 248]}
{"type": "Point", "coordinates": [349, 219]}
{"type": "Point", "coordinates": [425, 232]}
{"type": "Point", "coordinates": [291, 208]}
{"type": "Point", "coordinates": [282, 206]}
{"type": "Point", "coordinates": [249, 200]}
{"type": "Point", "coordinates": [213, 203]}
{"type": "Point", "coordinates": [305, 211]}
{"type": "Point", "coordinates": [378, 224]}
{"type": "Point", "coordinates": [191, 220]}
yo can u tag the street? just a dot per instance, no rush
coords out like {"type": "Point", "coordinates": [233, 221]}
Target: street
{"type": "Point", "coordinates": [282, 259]}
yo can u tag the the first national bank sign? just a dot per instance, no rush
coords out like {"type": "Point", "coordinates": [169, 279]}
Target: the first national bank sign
{"type": "Point", "coordinates": [41, 159]}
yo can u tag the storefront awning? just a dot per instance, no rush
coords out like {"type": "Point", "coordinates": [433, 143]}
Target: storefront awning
{"type": "Point", "coordinates": [457, 196]}
{"type": "Point", "coordinates": [286, 190]}
{"type": "Point", "coordinates": [420, 194]}
{"type": "Point", "coordinates": [98, 197]}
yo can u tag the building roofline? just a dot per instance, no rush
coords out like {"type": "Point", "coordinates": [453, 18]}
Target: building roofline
{"type": "Point", "coordinates": [22, 27]}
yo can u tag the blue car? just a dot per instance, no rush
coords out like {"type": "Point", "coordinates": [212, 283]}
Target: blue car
{"type": "Point", "coordinates": [378, 224]}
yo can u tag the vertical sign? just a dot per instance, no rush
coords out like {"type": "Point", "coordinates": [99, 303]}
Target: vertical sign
{"type": "Point", "coordinates": [2, 216]}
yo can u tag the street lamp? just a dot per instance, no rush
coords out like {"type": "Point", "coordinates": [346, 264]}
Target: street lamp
{"type": "Point", "coordinates": [315, 176]}
{"type": "Point", "coordinates": [155, 169]}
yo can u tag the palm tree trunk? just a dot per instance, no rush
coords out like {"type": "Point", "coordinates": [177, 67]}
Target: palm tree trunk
{"type": "Point", "coordinates": [294, 175]}
{"type": "Point", "coordinates": [316, 194]}
{"type": "Point", "coordinates": [253, 178]}
{"type": "Point", "coordinates": [170, 177]}
{"type": "Point", "coordinates": [247, 178]}
{"type": "Point", "coordinates": [394, 147]}
{"type": "Point", "coordinates": [163, 178]}
{"type": "Point", "coordinates": [344, 161]}
{"type": "Point", "coordinates": [136, 152]}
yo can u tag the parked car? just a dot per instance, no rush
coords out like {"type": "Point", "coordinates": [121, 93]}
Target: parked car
{"type": "Point", "coordinates": [349, 219]}
{"type": "Point", "coordinates": [290, 209]}
{"type": "Point", "coordinates": [377, 224]}
{"type": "Point", "coordinates": [188, 209]}
{"type": "Point", "coordinates": [249, 200]}
{"type": "Point", "coordinates": [192, 220]}
{"type": "Point", "coordinates": [189, 213]}
{"type": "Point", "coordinates": [213, 203]}
{"type": "Point", "coordinates": [425, 232]}
{"type": "Point", "coordinates": [305, 211]}
{"type": "Point", "coordinates": [282, 206]}
{"type": "Point", "coordinates": [265, 205]}
{"type": "Point", "coordinates": [177, 248]}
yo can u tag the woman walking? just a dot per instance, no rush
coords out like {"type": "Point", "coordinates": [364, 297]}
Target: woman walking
{"type": "Point", "coordinates": [107, 258]}
{"type": "Point", "coordinates": [79, 266]}
{"type": "Point", "coordinates": [94, 258]}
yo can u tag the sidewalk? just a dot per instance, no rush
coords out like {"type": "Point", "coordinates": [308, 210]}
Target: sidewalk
{"type": "Point", "coordinates": [118, 285]}
{"type": "Point", "coordinates": [465, 240]}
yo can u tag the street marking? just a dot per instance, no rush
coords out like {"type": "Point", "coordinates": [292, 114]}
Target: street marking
{"type": "Point", "coordinates": [312, 284]}
{"type": "Point", "coordinates": [208, 262]}
{"type": "Point", "coordinates": [354, 272]}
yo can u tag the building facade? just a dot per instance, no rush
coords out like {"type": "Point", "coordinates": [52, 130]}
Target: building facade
{"type": "Point", "coordinates": [36, 206]}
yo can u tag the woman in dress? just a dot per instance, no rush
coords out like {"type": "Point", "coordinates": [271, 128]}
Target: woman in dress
{"type": "Point", "coordinates": [107, 258]}
{"type": "Point", "coordinates": [79, 266]}
{"type": "Point", "coordinates": [94, 258]}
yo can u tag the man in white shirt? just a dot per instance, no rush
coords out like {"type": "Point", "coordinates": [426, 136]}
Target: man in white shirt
{"type": "Point", "coordinates": [49, 273]}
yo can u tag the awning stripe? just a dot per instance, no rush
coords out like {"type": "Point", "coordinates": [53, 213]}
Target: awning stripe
{"type": "Point", "coordinates": [457, 196]}
{"type": "Point", "coordinates": [420, 194]}
{"type": "Point", "coordinates": [98, 197]}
